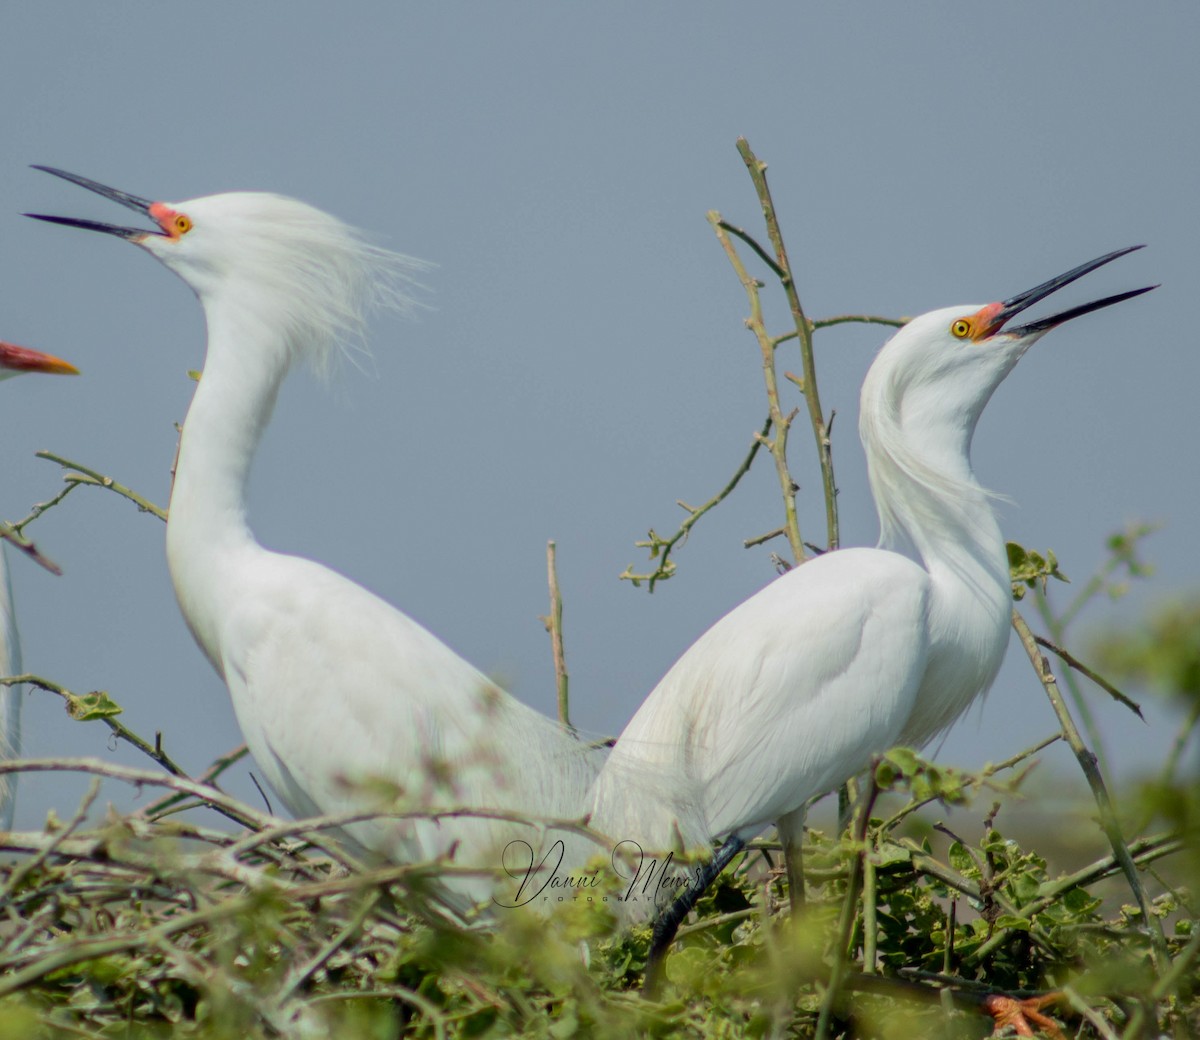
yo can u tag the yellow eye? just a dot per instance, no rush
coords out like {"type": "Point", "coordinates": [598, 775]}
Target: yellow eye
{"type": "Point", "coordinates": [961, 329]}
{"type": "Point", "coordinates": [181, 224]}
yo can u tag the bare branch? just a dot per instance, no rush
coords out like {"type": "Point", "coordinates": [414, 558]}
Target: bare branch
{"type": "Point", "coordinates": [11, 533]}
{"type": "Point", "coordinates": [553, 623]}
{"type": "Point", "coordinates": [661, 548]}
{"type": "Point", "coordinates": [84, 475]}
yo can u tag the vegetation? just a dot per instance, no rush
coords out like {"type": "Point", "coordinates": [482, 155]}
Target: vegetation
{"type": "Point", "coordinates": [918, 915]}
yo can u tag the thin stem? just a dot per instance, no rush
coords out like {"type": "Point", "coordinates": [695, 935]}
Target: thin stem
{"type": "Point", "coordinates": [92, 477]}
{"type": "Point", "coordinates": [27, 868]}
{"type": "Point", "coordinates": [749, 543]}
{"type": "Point", "coordinates": [1171, 762]}
{"type": "Point", "coordinates": [261, 823]}
{"type": "Point", "coordinates": [951, 926]}
{"type": "Point", "coordinates": [1094, 1020]}
{"type": "Point", "coordinates": [211, 796]}
{"type": "Point", "coordinates": [766, 345]}
{"type": "Point", "coordinates": [1087, 762]}
{"type": "Point", "coordinates": [663, 548]}
{"type": "Point", "coordinates": [1122, 556]}
{"type": "Point", "coordinates": [1093, 586]}
{"type": "Point", "coordinates": [553, 622]}
{"type": "Point", "coordinates": [790, 828]}
{"type": "Point", "coordinates": [11, 533]}
{"type": "Point", "coordinates": [43, 507]}
{"type": "Point", "coordinates": [1146, 850]}
{"type": "Point", "coordinates": [841, 951]}
{"type": "Point", "coordinates": [862, 319]}
{"type": "Point", "coordinates": [1073, 662]}
{"type": "Point", "coordinates": [1057, 628]}
{"type": "Point", "coordinates": [763, 255]}
{"type": "Point", "coordinates": [69, 953]}
{"type": "Point", "coordinates": [926, 864]}
{"type": "Point", "coordinates": [870, 918]}
{"type": "Point", "coordinates": [978, 779]}
{"type": "Point", "coordinates": [161, 806]}
{"type": "Point", "coordinates": [804, 331]}
{"type": "Point", "coordinates": [300, 974]}
{"type": "Point", "coordinates": [77, 708]}
{"type": "Point", "coordinates": [88, 948]}
{"type": "Point", "coordinates": [715, 922]}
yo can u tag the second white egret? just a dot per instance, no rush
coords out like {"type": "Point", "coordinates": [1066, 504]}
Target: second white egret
{"type": "Point", "coordinates": [792, 692]}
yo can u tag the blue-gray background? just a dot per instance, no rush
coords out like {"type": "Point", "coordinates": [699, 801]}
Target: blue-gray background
{"type": "Point", "coordinates": [584, 363]}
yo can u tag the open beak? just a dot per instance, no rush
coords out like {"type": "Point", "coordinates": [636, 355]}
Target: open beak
{"type": "Point", "coordinates": [22, 359]}
{"type": "Point", "coordinates": [124, 198]}
{"type": "Point", "coordinates": [995, 315]}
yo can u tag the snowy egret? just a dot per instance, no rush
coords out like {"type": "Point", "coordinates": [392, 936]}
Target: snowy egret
{"type": "Point", "coordinates": [13, 361]}
{"type": "Point", "coordinates": [792, 692]}
{"type": "Point", "coordinates": [335, 690]}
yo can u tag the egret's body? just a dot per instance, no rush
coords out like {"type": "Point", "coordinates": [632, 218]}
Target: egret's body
{"type": "Point", "coordinates": [723, 750]}
{"type": "Point", "coordinates": [13, 361]}
{"type": "Point", "coordinates": [792, 692]}
{"type": "Point", "coordinates": [343, 700]}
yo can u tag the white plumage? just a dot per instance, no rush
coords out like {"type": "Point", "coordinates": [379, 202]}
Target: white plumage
{"type": "Point", "coordinates": [343, 700]}
{"type": "Point", "coordinates": [784, 698]}
{"type": "Point", "coordinates": [771, 705]}
{"type": "Point", "coordinates": [792, 692]}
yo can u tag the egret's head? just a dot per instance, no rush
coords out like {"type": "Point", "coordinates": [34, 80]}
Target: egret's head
{"type": "Point", "coordinates": [942, 367]}
{"type": "Point", "coordinates": [927, 388]}
{"type": "Point", "coordinates": [14, 360]}
{"type": "Point", "coordinates": [280, 261]}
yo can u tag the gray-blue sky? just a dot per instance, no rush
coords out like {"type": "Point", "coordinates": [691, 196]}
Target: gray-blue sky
{"type": "Point", "coordinates": [584, 363]}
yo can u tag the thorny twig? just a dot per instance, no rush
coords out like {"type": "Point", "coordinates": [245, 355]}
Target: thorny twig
{"type": "Point", "coordinates": [804, 330]}
{"type": "Point", "coordinates": [97, 705]}
{"type": "Point", "coordinates": [661, 548]}
{"type": "Point", "coordinates": [79, 475]}
{"type": "Point", "coordinates": [1091, 771]}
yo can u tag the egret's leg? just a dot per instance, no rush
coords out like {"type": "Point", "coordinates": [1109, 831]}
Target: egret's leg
{"type": "Point", "coordinates": [791, 836]}
{"type": "Point", "coordinates": [667, 923]}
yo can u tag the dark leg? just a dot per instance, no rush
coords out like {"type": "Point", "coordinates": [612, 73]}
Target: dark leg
{"type": "Point", "coordinates": [667, 923]}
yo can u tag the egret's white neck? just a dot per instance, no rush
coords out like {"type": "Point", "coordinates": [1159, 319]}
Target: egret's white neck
{"type": "Point", "coordinates": [207, 534]}
{"type": "Point", "coordinates": [932, 507]}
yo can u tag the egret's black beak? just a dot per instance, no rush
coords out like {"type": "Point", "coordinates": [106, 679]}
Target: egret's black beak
{"type": "Point", "coordinates": [124, 198]}
{"type": "Point", "coordinates": [1022, 301]}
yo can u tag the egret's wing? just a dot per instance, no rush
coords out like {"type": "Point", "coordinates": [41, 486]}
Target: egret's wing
{"type": "Point", "coordinates": [783, 698]}
{"type": "Point", "coordinates": [366, 706]}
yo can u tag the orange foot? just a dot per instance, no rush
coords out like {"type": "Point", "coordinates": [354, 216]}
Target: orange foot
{"type": "Point", "coordinates": [1023, 1015]}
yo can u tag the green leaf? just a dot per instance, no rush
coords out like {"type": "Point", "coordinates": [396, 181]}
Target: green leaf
{"type": "Point", "coordinates": [904, 759]}
{"type": "Point", "coordinates": [1080, 902]}
{"type": "Point", "coordinates": [95, 705]}
{"type": "Point", "coordinates": [889, 853]}
{"type": "Point", "coordinates": [1028, 569]}
{"type": "Point", "coordinates": [886, 775]}
{"type": "Point", "coordinates": [960, 858]}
